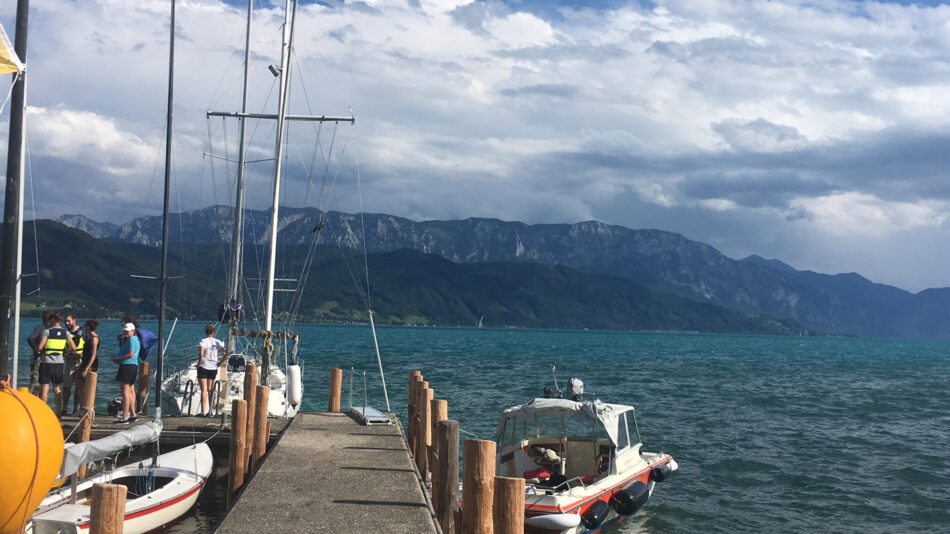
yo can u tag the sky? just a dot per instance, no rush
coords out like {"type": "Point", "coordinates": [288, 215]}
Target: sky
{"type": "Point", "coordinates": [817, 133]}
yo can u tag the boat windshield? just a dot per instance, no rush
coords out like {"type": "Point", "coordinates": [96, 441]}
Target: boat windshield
{"type": "Point", "coordinates": [542, 425]}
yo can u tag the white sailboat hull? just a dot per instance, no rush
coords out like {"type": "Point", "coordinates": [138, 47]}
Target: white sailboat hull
{"type": "Point", "coordinates": [182, 473]}
{"type": "Point", "coordinates": [181, 394]}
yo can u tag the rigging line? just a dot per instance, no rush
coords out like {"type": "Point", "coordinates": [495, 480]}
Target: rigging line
{"type": "Point", "coordinates": [318, 125]}
{"type": "Point", "coordinates": [359, 189]}
{"type": "Point", "coordinates": [36, 241]}
{"type": "Point", "coordinates": [16, 78]}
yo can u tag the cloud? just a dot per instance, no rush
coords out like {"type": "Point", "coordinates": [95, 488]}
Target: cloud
{"type": "Point", "coordinates": [776, 128]}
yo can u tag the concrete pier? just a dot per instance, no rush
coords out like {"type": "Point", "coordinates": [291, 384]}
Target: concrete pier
{"type": "Point", "coordinates": [329, 474]}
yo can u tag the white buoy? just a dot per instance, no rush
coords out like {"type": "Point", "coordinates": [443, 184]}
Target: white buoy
{"type": "Point", "coordinates": [294, 385]}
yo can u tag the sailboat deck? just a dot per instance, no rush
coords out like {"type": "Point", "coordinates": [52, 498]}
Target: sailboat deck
{"type": "Point", "coordinates": [330, 474]}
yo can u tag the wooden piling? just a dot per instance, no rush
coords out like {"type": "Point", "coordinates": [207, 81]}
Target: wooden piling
{"type": "Point", "coordinates": [88, 405]}
{"type": "Point", "coordinates": [143, 387]}
{"type": "Point", "coordinates": [478, 485]}
{"type": "Point", "coordinates": [438, 410]}
{"type": "Point", "coordinates": [250, 396]}
{"type": "Point", "coordinates": [107, 514]}
{"type": "Point", "coordinates": [426, 422]}
{"type": "Point", "coordinates": [448, 475]}
{"type": "Point", "coordinates": [415, 378]}
{"type": "Point", "coordinates": [508, 508]}
{"type": "Point", "coordinates": [336, 383]}
{"type": "Point", "coordinates": [419, 451]}
{"type": "Point", "coordinates": [260, 425]}
{"type": "Point", "coordinates": [236, 463]}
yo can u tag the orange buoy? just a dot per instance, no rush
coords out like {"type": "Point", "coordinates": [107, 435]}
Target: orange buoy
{"type": "Point", "coordinates": [32, 440]}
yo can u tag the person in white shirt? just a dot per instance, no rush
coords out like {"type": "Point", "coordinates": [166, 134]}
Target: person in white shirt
{"type": "Point", "coordinates": [210, 355]}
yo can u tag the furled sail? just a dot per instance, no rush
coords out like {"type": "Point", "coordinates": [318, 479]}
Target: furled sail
{"type": "Point", "coordinates": [9, 62]}
{"type": "Point", "coordinates": [93, 451]}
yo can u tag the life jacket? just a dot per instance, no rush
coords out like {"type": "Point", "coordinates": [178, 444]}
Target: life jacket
{"type": "Point", "coordinates": [56, 342]}
{"type": "Point", "coordinates": [78, 338]}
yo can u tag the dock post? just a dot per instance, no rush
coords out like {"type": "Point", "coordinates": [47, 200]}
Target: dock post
{"type": "Point", "coordinates": [260, 426]}
{"type": "Point", "coordinates": [426, 421]}
{"type": "Point", "coordinates": [107, 513]}
{"type": "Point", "coordinates": [448, 473]}
{"type": "Point", "coordinates": [143, 387]}
{"type": "Point", "coordinates": [88, 404]}
{"type": "Point", "coordinates": [336, 382]}
{"type": "Point", "coordinates": [236, 461]}
{"type": "Point", "coordinates": [508, 508]}
{"type": "Point", "coordinates": [419, 451]}
{"type": "Point", "coordinates": [250, 395]}
{"type": "Point", "coordinates": [478, 486]}
{"type": "Point", "coordinates": [439, 410]}
{"type": "Point", "coordinates": [415, 378]}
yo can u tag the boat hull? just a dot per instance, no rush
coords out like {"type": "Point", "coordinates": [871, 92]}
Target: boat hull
{"type": "Point", "coordinates": [547, 514]}
{"type": "Point", "coordinates": [183, 473]}
{"type": "Point", "coordinates": [181, 394]}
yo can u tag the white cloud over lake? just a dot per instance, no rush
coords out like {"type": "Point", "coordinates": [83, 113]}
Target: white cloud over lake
{"type": "Point", "coordinates": [813, 132]}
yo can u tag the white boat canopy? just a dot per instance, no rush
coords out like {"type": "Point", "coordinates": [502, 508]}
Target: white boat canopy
{"type": "Point", "coordinates": [93, 451]}
{"type": "Point", "coordinates": [607, 414]}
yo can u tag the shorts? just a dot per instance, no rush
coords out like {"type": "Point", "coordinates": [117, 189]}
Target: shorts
{"type": "Point", "coordinates": [209, 374]}
{"type": "Point", "coordinates": [70, 373]}
{"type": "Point", "coordinates": [127, 374]}
{"type": "Point", "coordinates": [51, 373]}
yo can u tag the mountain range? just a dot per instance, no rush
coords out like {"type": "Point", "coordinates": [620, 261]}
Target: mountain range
{"type": "Point", "coordinates": [663, 262]}
{"type": "Point", "coordinates": [100, 278]}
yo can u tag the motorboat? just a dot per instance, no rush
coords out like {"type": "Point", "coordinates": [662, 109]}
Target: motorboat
{"type": "Point", "coordinates": [583, 462]}
{"type": "Point", "coordinates": [160, 490]}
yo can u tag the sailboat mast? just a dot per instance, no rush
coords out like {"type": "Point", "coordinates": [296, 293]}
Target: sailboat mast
{"type": "Point", "coordinates": [278, 157]}
{"type": "Point", "coordinates": [237, 243]}
{"type": "Point", "coordinates": [163, 277]}
{"type": "Point", "coordinates": [12, 211]}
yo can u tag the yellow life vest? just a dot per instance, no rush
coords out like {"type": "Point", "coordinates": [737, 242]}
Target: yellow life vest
{"type": "Point", "coordinates": [56, 342]}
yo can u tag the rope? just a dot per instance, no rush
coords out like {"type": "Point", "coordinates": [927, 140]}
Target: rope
{"type": "Point", "coordinates": [36, 463]}
{"type": "Point", "coordinates": [84, 415]}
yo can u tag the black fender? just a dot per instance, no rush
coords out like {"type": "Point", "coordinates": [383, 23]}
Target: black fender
{"type": "Point", "coordinates": [660, 472]}
{"type": "Point", "coordinates": [628, 500]}
{"type": "Point", "coordinates": [595, 515]}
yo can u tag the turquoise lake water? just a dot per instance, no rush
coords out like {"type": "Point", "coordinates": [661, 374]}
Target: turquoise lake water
{"type": "Point", "coordinates": [772, 434]}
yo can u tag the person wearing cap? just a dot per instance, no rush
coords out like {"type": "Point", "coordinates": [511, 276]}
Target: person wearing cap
{"type": "Point", "coordinates": [128, 360]}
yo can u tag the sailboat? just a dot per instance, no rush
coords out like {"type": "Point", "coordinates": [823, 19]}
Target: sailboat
{"type": "Point", "coordinates": [161, 488]}
{"type": "Point", "coordinates": [180, 393]}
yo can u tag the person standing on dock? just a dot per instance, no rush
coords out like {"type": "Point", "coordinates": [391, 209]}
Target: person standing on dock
{"type": "Point", "coordinates": [128, 360]}
{"type": "Point", "coordinates": [210, 350]}
{"type": "Point", "coordinates": [90, 359]}
{"type": "Point", "coordinates": [53, 342]}
{"type": "Point", "coordinates": [33, 340]}
{"type": "Point", "coordinates": [71, 368]}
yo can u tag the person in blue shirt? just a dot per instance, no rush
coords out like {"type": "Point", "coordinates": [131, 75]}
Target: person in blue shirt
{"type": "Point", "coordinates": [128, 360]}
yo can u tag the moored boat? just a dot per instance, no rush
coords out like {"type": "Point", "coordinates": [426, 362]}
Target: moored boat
{"type": "Point", "coordinates": [158, 493]}
{"type": "Point", "coordinates": [583, 463]}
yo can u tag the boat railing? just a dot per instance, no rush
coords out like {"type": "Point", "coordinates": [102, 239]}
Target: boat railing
{"type": "Point", "coordinates": [363, 407]}
{"type": "Point", "coordinates": [188, 394]}
{"type": "Point", "coordinates": [217, 395]}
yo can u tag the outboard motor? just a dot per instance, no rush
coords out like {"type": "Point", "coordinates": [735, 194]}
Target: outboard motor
{"type": "Point", "coordinates": [595, 515]}
{"type": "Point", "coordinates": [628, 500]}
{"type": "Point", "coordinates": [575, 388]}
